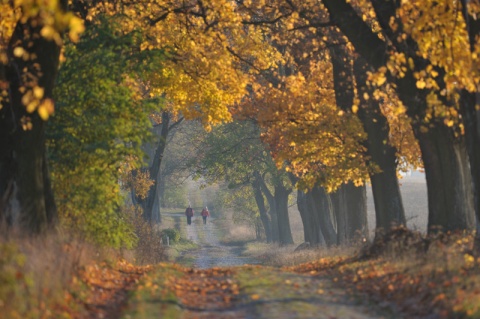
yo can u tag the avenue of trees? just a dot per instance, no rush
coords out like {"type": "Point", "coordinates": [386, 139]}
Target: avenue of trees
{"type": "Point", "coordinates": [310, 98]}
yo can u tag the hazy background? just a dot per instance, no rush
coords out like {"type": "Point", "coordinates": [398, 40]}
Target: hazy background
{"type": "Point", "coordinates": [414, 195]}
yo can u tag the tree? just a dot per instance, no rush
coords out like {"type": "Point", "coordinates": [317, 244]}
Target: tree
{"type": "Point", "coordinates": [148, 202]}
{"type": "Point", "coordinates": [443, 152]}
{"type": "Point", "coordinates": [96, 134]}
{"type": "Point", "coordinates": [235, 153]}
{"type": "Point", "coordinates": [350, 78]}
{"type": "Point", "coordinates": [29, 57]}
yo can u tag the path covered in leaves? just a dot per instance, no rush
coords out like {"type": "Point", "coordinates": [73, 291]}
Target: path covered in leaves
{"type": "Point", "coordinates": [171, 291]}
{"type": "Point", "coordinates": [221, 284]}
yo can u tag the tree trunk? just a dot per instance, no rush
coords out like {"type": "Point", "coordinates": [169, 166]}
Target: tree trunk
{"type": "Point", "coordinates": [307, 220]}
{"type": "Point", "coordinates": [281, 205]}
{"type": "Point", "coordinates": [321, 204]}
{"type": "Point", "coordinates": [23, 163]}
{"type": "Point", "coordinates": [272, 209]}
{"type": "Point", "coordinates": [450, 197]}
{"type": "Point", "coordinates": [147, 204]}
{"type": "Point", "coordinates": [449, 184]}
{"type": "Point", "coordinates": [389, 211]}
{"type": "Point", "coordinates": [161, 190]}
{"type": "Point", "coordinates": [357, 224]}
{"type": "Point", "coordinates": [350, 206]}
{"type": "Point", "coordinates": [470, 110]}
{"type": "Point", "coordinates": [387, 197]}
{"type": "Point", "coordinates": [259, 199]}
{"type": "Point", "coordinates": [340, 208]}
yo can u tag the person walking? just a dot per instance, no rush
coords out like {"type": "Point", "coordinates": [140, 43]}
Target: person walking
{"type": "Point", "coordinates": [189, 213]}
{"type": "Point", "coordinates": [205, 213]}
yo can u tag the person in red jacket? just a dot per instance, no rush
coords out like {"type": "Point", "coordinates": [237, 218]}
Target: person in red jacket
{"type": "Point", "coordinates": [189, 213]}
{"type": "Point", "coordinates": [205, 213]}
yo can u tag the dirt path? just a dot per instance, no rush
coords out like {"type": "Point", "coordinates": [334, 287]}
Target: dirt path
{"type": "Point", "coordinates": [236, 290]}
{"type": "Point", "coordinates": [212, 253]}
{"type": "Point", "coordinates": [241, 292]}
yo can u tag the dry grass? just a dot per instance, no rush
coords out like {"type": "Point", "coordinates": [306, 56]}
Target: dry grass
{"type": "Point", "coordinates": [234, 232]}
{"type": "Point", "coordinates": [280, 256]}
{"type": "Point", "coordinates": [35, 273]}
{"type": "Point", "coordinates": [39, 275]}
{"type": "Point", "coordinates": [149, 249]}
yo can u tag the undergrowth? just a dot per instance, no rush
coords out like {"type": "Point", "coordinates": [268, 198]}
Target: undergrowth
{"type": "Point", "coordinates": [53, 275]}
{"type": "Point", "coordinates": [434, 276]}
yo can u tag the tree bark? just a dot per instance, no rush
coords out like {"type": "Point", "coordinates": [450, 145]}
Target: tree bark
{"type": "Point", "coordinates": [450, 197]}
{"type": "Point", "coordinates": [470, 110]}
{"type": "Point", "coordinates": [259, 199]}
{"type": "Point", "coordinates": [389, 211]}
{"type": "Point", "coordinates": [23, 163]}
{"type": "Point", "coordinates": [350, 206]}
{"type": "Point", "coordinates": [357, 224]}
{"type": "Point", "coordinates": [272, 209]}
{"type": "Point", "coordinates": [281, 206]}
{"type": "Point", "coordinates": [305, 215]}
{"type": "Point", "coordinates": [322, 207]}
{"type": "Point", "coordinates": [278, 202]}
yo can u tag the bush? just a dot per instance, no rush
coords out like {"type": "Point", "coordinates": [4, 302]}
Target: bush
{"type": "Point", "coordinates": [149, 248]}
{"type": "Point", "coordinates": [172, 233]}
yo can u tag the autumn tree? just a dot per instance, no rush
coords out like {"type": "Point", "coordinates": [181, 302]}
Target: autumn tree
{"type": "Point", "coordinates": [318, 141]}
{"type": "Point", "coordinates": [31, 38]}
{"type": "Point", "coordinates": [422, 82]}
{"type": "Point", "coordinates": [206, 46]}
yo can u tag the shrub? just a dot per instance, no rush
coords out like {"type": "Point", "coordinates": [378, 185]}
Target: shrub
{"type": "Point", "coordinates": [149, 248]}
{"type": "Point", "coordinates": [172, 233]}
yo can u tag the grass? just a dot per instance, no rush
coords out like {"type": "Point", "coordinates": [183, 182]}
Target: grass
{"type": "Point", "coordinates": [45, 276]}
{"type": "Point", "coordinates": [280, 256]}
{"type": "Point", "coordinates": [410, 273]}
{"type": "Point", "coordinates": [156, 287]}
{"type": "Point", "coordinates": [36, 273]}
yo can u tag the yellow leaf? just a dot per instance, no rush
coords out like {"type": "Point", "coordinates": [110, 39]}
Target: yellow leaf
{"type": "Point", "coordinates": [48, 32]}
{"type": "Point", "coordinates": [421, 84]}
{"type": "Point", "coordinates": [46, 109]}
{"type": "Point", "coordinates": [381, 80]}
{"type": "Point", "coordinates": [355, 109]}
{"type": "Point", "coordinates": [76, 27]}
{"type": "Point", "coordinates": [32, 106]}
{"type": "Point", "coordinates": [38, 92]}
{"type": "Point", "coordinates": [255, 297]}
{"type": "Point", "coordinates": [18, 52]}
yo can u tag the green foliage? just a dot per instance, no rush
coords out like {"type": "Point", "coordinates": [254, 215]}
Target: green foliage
{"type": "Point", "coordinates": [175, 196]}
{"type": "Point", "coordinates": [241, 202]}
{"type": "Point", "coordinates": [172, 233]}
{"type": "Point", "coordinates": [100, 124]}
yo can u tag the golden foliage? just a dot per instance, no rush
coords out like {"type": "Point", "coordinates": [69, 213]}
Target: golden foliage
{"type": "Point", "coordinates": [51, 21]}
{"type": "Point", "coordinates": [206, 48]}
